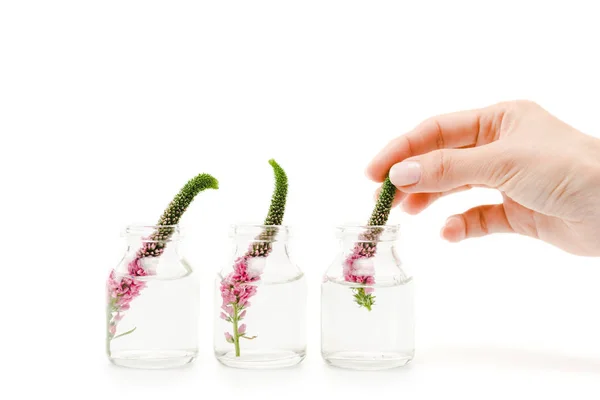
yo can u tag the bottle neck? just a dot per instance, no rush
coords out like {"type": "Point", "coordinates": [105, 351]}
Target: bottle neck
{"type": "Point", "coordinates": [152, 240]}
{"type": "Point", "coordinates": [256, 248]}
{"type": "Point", "coordinates": [377, 237]}
{"type": "Point", "coordinates": [143, 248]}
{"type": "Point", "coordinates": [378, 246]}
{"type": "Point", "coordinates": [259, 240]}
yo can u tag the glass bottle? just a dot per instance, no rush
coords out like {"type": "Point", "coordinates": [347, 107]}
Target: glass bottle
{"type": "Point", "coordinates": [260, 303]}
{"type": "Point", "coordinates": [152, 302]}
{"type": "Point", "coordinates": [367, 313]}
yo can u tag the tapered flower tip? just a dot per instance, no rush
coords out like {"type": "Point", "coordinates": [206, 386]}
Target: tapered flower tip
{"type": "Point", "coordinates": [205, 181]}
{"type": "Point", "coordinates": [179, 204]}
{"type": "Point", "coordinates": [277, 207]}
{"type": "Point", "coordinates": [279, 172]}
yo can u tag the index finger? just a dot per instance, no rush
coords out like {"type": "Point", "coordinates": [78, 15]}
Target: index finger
{"type": "Point", "coordinates": [451, 131]}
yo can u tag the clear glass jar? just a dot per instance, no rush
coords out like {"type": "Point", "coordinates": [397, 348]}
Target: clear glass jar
{"type": "Point", "coordinates": [152, 302]}
{"type": "Point", "coordinates": [260, 305]}
{"type": "Point", "coordinates": [367, 311]}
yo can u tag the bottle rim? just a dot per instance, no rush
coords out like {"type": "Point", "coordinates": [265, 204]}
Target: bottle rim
{"type": "Point", "coordinates": [368, 233]}
{"type": "Point", "coordinates": [252, 231]}
{"type": "Point", "coordinates": [144, 231]}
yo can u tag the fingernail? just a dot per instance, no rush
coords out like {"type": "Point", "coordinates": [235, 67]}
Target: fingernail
{"type": "Point", "coordinates": [405, 173]}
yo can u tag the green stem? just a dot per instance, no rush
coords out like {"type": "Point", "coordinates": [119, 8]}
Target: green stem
{"type": "Point", "coordinates": [236, 335]}
{"type": "Point", "coordinates": [108, 336]}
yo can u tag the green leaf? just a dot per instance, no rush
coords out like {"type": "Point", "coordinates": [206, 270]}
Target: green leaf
{"type": "Point", "coordinates": [125, 333]}
{"type": "Point", "coordinates": [363, 299]}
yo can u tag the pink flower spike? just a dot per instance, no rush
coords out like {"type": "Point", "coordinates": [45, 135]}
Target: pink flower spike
{"type": "Point", "coordinates": [223, 316]}
{"type": "Point", "coordinates": [359, 268]}
{"type": "Point", "coordinates": [242, 329]}
{"type": "Point", "coordinates": [135, 268]}
{"type": "Point", "coordinates": [228, 337]}
{"type": "Point", "coordinates": [243, 314]}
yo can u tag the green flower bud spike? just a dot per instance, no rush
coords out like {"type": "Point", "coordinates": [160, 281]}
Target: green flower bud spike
{"type": "Point", "coordinates": [383, 207]}
{"type": "Point", "coordinates": [237, 288]}
{"type": "Point", "coordinates": [154, 246]}
{"type": "Point", "coordinates": [173, 213]}
{"type": "Point", "coordinates": [367, 247]}
{"type": "Point", "coordinates": [275, 214]}
{"type": "Point", "coordinates": [277, 207]}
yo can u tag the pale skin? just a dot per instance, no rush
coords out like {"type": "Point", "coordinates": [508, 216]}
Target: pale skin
{"type": "Point", "coordinates": [547, 171]}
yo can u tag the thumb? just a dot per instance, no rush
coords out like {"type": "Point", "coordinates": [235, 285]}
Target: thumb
{"type": "Point", "coordinates": [447, 169]}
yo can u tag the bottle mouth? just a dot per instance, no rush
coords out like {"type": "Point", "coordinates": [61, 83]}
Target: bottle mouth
{"type": "Point", "coordinates": [152, 233]}
{"type": "Point", "coordinates": [368, 233]}
{"type": "Point", "coordinates": [260, 233]}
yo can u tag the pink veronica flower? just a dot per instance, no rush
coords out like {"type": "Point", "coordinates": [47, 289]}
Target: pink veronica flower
{"type": "Point", "coordinates": [237, 288]}
{"type": "Point", "coordinates": [356, 267]}
{"type": "Point", "coordinates": [122, 290]}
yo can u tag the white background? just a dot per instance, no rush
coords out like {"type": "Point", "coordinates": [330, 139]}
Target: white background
{"type": "Point", "coordinates": [107, 108]}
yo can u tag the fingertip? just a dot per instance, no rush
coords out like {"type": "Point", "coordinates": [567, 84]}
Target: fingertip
{"type": "Point", "coordinates": [405, 173]}
{"type": "Point", "coordinates": [410, 208]}
{"type": "Point", "coordinates": [416, 202]}
{"type": "Point", "coordinates": [395, 151]}
{"type": "Point", "coordinates": [454, 229]}
{"type": "Point", "coordinates": [410, 211]}
{"type": "Point", "coordinates": [375, 172]}
{"type": "Point", "coordinates": [398, 198]}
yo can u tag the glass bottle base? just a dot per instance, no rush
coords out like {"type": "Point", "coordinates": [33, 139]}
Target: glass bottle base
{"type": "Point", "coordinates": [372, 361]}
{"type": "Point", "coordinates": [152, 359]}
{"type": "Point", "coordinates": [262, 359]}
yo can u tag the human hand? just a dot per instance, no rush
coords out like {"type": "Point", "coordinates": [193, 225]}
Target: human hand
{"type": "Point", "coordinates": [547, 171]}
